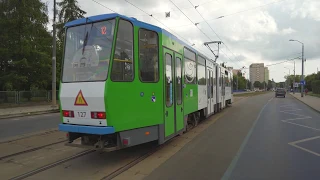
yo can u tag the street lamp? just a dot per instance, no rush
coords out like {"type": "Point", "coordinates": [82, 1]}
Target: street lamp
{"type": "Point", "coordinates": [302, 60]}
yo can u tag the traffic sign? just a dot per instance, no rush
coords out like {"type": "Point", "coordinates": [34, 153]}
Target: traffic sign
{"type": "Point", "coordinates": [296, 85]}
{"type": "Point", "coordinates": [303, 82]}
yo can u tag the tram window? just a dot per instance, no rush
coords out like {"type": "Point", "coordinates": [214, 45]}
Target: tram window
{"type": "Point", "coordinates": [169, 80]}
{"type": "Point", "coordinates": [201, 71]}
{"type": "Point", "coordinates": [179, 81]}
{"type": "Point", "coordinates": [201, 74]}
{"type": "Point", "coordinates": [122, 67]}
{"type": "Point", "coordinates": [190, 67]}
{"type": "Point", "coordinates": [148, 56]}
{"type": "Point", "coordinates": [214, 77]}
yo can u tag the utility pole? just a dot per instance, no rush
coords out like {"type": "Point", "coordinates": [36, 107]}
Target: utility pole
{"type": "Point", "coordinates": [54, 56]}
{"type": "Point", "coordinates": [294, 77]}
{"type": "Point", "coordinates": [302, 78]}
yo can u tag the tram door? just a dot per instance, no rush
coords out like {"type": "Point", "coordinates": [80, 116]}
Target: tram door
{"type": "Point", "coordinates": [173, 112]}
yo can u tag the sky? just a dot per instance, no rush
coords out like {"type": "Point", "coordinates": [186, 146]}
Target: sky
{"type": "Point", "coordinates": [252, 31]}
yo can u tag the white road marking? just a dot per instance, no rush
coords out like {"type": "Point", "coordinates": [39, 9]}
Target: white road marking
{"type": "Point", "coordinates": [16, 119]}
{"type": "Point", "coordinates": [301, 125]}
{"type": "Point", "coordinates": [292, 110]}
{"type": "Point", "coordinates": [294, 114]}
{"type": "Point", "coordinates": [307, 117]}
{"type": "Point", "coordinates": [287, 105]}
{"type": "Point", "coordinates": [303, 140]}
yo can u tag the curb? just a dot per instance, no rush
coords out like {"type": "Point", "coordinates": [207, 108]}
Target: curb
{"type": "Point", "coordinates": [29, 114]}
{"type": "Point", "coordinates": [306, 104]}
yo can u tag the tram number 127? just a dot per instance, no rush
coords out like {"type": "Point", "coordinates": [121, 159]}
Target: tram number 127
{"type": "Point", "coordinates": [81, 114]}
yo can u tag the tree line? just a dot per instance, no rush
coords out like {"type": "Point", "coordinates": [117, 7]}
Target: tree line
{"type": "Point", "coordinates": [26, 42]}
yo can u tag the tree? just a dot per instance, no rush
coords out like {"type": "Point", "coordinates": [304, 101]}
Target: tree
{"type": "Point", "coordinates": [269, 86]}
{"type": "Point", "coordinates": [25, 46]}
{"type": "Point", "coordinates": [69, 10]}
{"type": "Point", "coordinates": [257, 84]}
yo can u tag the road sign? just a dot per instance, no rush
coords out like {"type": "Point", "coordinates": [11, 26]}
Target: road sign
{"type": "Point", "coordinates": [296, 85]}
{"type": "Point", "coordinates": [303, 82]}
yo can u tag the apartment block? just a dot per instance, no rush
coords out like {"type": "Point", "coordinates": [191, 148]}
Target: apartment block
{"type": "Point", "coordinates": [257, 72]}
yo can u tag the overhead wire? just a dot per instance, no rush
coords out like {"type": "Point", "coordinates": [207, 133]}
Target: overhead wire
{"type": "Point", "coordinates": [257, 7]}
{"type": "Point", "coordinates": [195, 7]}
{"type": "Point", "coordinates": [234, 12]}
{"type": "Point", "coordinates": [197, 27]}
{"type": "Point", "coordinates": [161, 23]}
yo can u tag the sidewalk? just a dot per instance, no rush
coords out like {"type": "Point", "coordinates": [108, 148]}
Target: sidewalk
{"type": "Point", "coordinates": [27, 110]}
{"type": "Point", "coordinates": [312, 101]}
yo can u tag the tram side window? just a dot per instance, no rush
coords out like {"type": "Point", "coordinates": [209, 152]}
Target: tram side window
{"type": "Point", "coordinates": [169, 80]}
{"type": "Point", "coordinates": [122, 67]}
{"type": "Point", "coordinates": [148, 56]}
{"type": "Point", "coordinates": [190, 67]}
{"type": "Point", "coordinates": [201, 71]}
{"type": "Point", "coordinates": [214, 77]}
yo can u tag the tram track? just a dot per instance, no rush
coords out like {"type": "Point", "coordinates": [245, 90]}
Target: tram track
{"type": "Point", "coordinates": [109, 176]}
{"type": "Point", "coordinates": [51, 165]}
{"type": "Point", "coordinates": [21, 137]}
{"type": "Point", "coordinates": [30, 150]}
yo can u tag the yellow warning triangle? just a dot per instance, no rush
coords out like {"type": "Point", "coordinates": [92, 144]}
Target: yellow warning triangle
{"type": "Point", "coordinates": [80, 101]}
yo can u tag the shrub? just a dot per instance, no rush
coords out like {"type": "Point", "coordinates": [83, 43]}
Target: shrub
{"type": "Point", "coordinates": [316, 86]}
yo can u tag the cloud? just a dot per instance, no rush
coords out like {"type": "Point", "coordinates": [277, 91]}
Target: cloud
{"type": "Point", "coordinates": [251, 34]}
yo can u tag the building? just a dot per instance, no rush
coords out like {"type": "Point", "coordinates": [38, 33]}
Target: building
{"type": "Point", "coordinates": [236, 71]}
{"type": "Point", "coordinates": [266, 74]}
{"type": "Point", "coordinates": [257, 72]}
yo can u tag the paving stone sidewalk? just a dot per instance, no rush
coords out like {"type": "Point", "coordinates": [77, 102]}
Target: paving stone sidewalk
{"type": "Point", "coordinates": [312, 101]}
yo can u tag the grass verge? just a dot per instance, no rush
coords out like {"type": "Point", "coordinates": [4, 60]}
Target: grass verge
{"type": "Point", "coordinates": [312, 94]}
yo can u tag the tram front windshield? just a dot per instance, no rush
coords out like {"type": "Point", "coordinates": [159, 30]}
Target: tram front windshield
{"type": "Point", "coordinates": [87, 51]}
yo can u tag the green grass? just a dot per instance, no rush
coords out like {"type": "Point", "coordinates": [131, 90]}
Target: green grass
{"type": "Point", "coordinates": [312, 94]}
{"type": "Point", "coordinates": [250, 94]}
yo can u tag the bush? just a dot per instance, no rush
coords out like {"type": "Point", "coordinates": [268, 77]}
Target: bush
{"type": "Point", "coordinates": [316, 87]}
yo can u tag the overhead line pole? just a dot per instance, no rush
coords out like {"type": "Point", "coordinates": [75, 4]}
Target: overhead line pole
{"type": "Point", "coordinates": [294, 77]}
{"type": "Point", "coordinates": [54, 97]}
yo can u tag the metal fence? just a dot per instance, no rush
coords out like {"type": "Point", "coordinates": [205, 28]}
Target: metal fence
{"type": "Point", "coordinates": [20, 97]}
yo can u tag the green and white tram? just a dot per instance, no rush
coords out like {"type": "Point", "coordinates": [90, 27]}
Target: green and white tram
{"type": "Point", "coordinates": [125, 82]}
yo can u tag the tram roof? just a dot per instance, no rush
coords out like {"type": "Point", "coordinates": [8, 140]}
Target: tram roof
{"type": "Point", "coordinates": [136, 22]}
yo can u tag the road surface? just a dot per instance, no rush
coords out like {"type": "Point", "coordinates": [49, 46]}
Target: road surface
{"type": "Point", "coordinates": [260, 137]}
{"type": "Point", "coordinates": [28, 124]}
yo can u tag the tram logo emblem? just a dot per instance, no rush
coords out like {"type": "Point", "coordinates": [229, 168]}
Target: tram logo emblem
{"type": "Point", "coordinates": [80, 101]}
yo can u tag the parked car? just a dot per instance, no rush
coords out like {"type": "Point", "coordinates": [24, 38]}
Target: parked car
{"type": "Point", "coordinates": [280, 92]}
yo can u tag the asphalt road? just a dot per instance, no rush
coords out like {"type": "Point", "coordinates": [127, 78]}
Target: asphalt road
{"type": "Point", "coordinates": [260, 137]}
{"type": "Point", "coordinates": [28, 124]}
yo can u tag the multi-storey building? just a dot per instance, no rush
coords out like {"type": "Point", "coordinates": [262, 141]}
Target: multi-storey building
{"type": "Point", "coordinates": [257, 72]}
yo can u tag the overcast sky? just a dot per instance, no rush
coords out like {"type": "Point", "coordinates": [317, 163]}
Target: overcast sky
{"type": "Point", "coordinates": [254, 31]}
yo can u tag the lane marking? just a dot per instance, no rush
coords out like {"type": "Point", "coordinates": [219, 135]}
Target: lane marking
{"type": "Point", "coordinates": [234, 161]}
{"type": "Point", "coordinates": [286, 105]}
{"type": "Point", "coordinates": [301, 125]}
{"type": "Point", "coordinates": [294, 114]}
{"type": "Point", "coordinates": [16, 119]}
{"type": "Point", "coordinates": [302, 148]}
{"type": "Point", "coordinates": [303, 140]}
{"type": "Point", "coordinates": [291, 110]}
{"type": "Point", "coordinates": [307, 117]}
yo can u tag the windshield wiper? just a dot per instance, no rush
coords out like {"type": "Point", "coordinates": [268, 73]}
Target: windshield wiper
{"type": "Point", "coordinates": [86, 38]}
